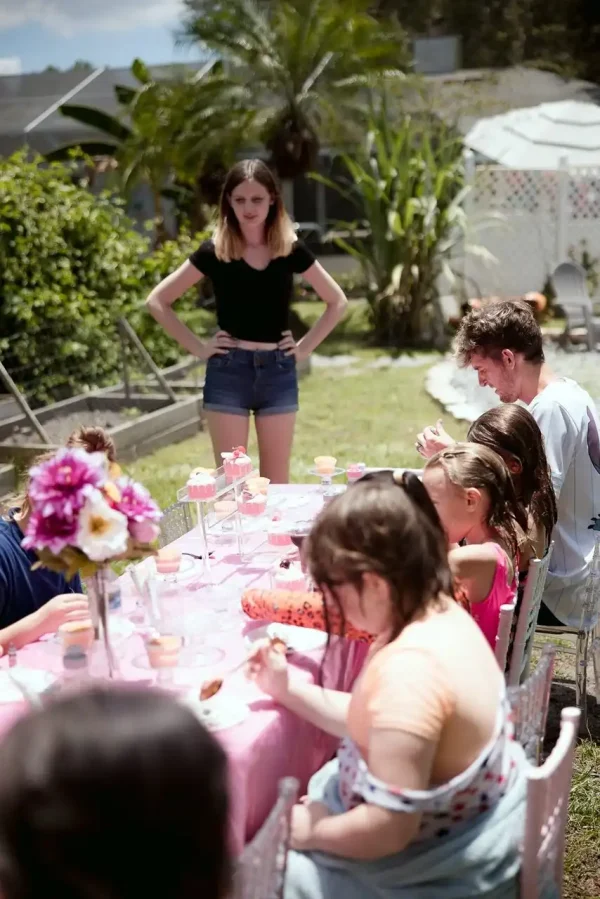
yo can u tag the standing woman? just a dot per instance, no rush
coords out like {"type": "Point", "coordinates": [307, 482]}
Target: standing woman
{"type": "Point", "coordinates": [251, 360]}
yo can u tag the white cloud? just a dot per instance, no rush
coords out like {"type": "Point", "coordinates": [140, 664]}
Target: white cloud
{"type": "Point", "coordinates": [10, 65]}
{"type": "Point", "coordinates": [68, 17]}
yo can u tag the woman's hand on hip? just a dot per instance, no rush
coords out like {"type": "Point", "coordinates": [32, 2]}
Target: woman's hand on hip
{"type": "Point", "coordinates": [218, 345]}
{"type": "Point", "coordinates": [288, 345]}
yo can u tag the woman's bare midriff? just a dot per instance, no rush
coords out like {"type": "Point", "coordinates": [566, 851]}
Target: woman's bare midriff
{"type": "Point", "coordinates": [254, 346]}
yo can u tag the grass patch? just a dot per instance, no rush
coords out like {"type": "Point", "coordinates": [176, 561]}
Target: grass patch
{"type": "Point", "coordinates": [582, 862]}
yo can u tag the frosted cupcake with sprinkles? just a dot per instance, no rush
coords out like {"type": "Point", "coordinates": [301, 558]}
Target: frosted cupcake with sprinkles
{"type": "Point", "coordinates": [237, 464]}
{"type": "Point", "coordinates": [201, 485]}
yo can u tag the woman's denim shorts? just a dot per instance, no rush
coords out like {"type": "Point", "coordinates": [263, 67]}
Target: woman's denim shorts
{"type": "Point", "coordinates": [243, 381]}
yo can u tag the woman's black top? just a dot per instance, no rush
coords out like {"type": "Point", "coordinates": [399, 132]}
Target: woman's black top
{"type": "Point", "coordinates": [253, 304]}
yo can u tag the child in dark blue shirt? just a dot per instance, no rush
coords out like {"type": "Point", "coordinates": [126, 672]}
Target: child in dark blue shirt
{"type": "Point", "coordinates": [34, 603]}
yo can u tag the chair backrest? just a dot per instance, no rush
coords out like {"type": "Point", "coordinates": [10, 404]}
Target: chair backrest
{"type": "Point", "coordinates": [503, 636]}
{"type": "Point", "coordinates": [527, 618]}
{"type": "Point", "coordinates": [529, 705]}
{"type": "Point", "coordinates": [546, 814]}
{"type": "Point", "coordinates": [591, 600]}
{"type": "Point", "coordinates": [175, 522]}
{"type": "Point", "coordinates": [260, 872]}
{"type": "Point", "coordinates": [570, 285]}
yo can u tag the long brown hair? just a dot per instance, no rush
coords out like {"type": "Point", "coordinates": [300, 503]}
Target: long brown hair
{"type": "Point", "coordinates": [280, 235]}
{"type": "Point", "coordinates": [387, 526]}
{"type": "Point", "coordinates": [468, 465]}
{"type": "Point", "coordinates": [90, 439]}
{"type": "Point", "coordinates": [512, 430]}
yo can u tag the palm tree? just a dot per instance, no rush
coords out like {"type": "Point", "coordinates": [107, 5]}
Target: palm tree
{"type": "Point", "coordinates": [306, 64]}
{"type": "Point", "coordinates": [168, 131]}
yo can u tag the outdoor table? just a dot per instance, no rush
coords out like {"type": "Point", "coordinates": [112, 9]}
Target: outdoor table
{"type": "Point", "coordinates": [271, 742]}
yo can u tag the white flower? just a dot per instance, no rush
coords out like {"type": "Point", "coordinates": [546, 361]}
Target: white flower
{"type": "Point", "coordinates": [102, 532]}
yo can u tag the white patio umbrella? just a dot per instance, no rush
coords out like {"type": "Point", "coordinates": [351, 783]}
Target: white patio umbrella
{"type": "Point", "coordinates": [540, 137]}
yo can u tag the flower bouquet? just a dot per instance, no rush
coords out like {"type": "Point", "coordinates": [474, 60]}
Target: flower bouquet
{"type": "Point", "coordinates": [85, 515]}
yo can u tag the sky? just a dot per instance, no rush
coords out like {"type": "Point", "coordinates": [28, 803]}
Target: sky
{"type": "Point", "coordinates": [39, 33]}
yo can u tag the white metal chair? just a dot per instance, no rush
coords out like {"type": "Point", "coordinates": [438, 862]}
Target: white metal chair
{"type": "Point", "coordinates": [587, 635]}
{"type": "Point", "coordinates": [570, 285]}
{"type": "Point", "coordinates": [260, 872]}
{"type": "Point", "coordinates": [529, 705]}
{"type": "Point", "coordinates": [175, 522]}
{"type": "Point", "coordinates": [503, 636]}
{"type": "Point", "coordinates": [527, 619]}
{"type": "Point", "coordinates": [546, 813]}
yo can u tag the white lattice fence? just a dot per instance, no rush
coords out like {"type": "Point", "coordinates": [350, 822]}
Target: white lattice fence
{"type": "Point", "coordinates": [543, 215]}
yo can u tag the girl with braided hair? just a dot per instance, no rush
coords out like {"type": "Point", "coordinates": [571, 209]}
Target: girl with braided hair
{"type": "Point", "coordinates": [472, 490]}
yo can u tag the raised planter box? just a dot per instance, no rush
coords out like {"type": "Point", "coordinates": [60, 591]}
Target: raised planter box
{"type": "Point", "coordinates": [8, 407]}
{"type": "Point", "coordinates": [8, 480]}
{"type": "Point", "coordinates": [138, 424]}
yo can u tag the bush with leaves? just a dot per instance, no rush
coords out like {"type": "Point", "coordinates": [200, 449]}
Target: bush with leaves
{"type": "Point", "coordinates": [70, 265]}
{"type": "Point", "coordinates": [156, 266]}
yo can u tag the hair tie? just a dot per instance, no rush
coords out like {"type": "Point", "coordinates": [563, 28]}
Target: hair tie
{"type": "Point", "coordinates": [398, 476]}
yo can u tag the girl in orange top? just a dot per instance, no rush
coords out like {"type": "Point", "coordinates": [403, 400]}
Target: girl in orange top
{"type": "Point", "coordinates": [426, 796]}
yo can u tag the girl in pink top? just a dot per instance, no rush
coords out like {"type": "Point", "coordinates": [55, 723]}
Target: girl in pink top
{"type": "Point", "coordinates": [472, 490]}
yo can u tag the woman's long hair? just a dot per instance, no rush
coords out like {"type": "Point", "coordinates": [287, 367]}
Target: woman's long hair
{"type": "Point", "coordinates": [513, 432]}
{"type": "Point", "coordinates": [280, 235]}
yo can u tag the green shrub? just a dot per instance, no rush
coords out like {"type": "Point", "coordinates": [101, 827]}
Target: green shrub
{"type": "Point", "coordinates": [70, 265]}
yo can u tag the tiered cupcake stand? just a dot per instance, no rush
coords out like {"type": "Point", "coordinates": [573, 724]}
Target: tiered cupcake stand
{"type": "Point", "coordinates": [227, 489]}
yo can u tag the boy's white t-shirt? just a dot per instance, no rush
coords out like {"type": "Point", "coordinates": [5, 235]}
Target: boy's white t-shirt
{"type": "Point", "coordinates": [569, 421]}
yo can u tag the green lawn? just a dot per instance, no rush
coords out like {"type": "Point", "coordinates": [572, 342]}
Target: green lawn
{"type": "Point", "coordinates": [373, 415]}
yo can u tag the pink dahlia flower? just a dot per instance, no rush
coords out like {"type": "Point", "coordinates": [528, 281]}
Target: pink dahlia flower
{"type": "Point", "coordinates": [136, 503]}
{"type": "Point", "coordinates": [60, 486]}
{"type": "Point", "coordinates": [144, 531]}
{"type": "Point", "coordinates": [52, 532]}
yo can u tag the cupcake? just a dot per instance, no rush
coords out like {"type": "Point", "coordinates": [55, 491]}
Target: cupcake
{"type": "Point", "coordinates": [325, 465]}
{"type": "Point", "coordinates": [289, 576]}
{"type": "Point", "coordinates": [201, 486]}
{"type": "Point", "coordinates": [224, 508]}
{"type": "Point", "coordinates": [168, 560]}
{"type": "Point", "coordinates": [355, 471]}
{"type": "Point", "coordinates": [278, 533]}
{"type": "Point", "coordinates": [77, 633]}
{"type": "Point", "coordinates": [252, 504]}
{"type": "Point", "coordinates": [163, 651]}
{"type": "Point", "coordinates": [258, 485]}
{"type": "Point", "coordinates": [237, 464]}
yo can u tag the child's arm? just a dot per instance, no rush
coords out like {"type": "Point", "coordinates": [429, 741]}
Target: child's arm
{"type": "Point", "coordinates": [369, 831]}
{"type": "Point", "coordinates": [326, 709]}
{"type": "Point", "coordinates": [474, 568]}
{"type": "Point", "coordinates": [299, 609]}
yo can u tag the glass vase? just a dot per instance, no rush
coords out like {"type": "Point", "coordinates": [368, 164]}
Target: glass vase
{"type": "Point", "coordinates": [104, 660]}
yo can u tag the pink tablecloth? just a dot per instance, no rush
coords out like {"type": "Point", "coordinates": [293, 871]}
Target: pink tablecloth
{"type": "Point", "coordinates": [271, 743]}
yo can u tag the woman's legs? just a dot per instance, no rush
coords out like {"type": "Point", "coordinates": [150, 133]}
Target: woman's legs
{"type": "Point", "coordinates": [226, 432]}
{"type": "Point", "coordinates": [275, 435]}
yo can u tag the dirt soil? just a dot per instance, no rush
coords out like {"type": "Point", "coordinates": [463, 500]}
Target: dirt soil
{"type": "Point", "coordinates": [58, 429]}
